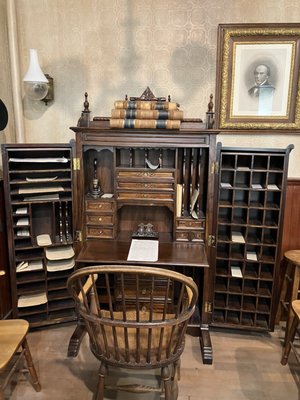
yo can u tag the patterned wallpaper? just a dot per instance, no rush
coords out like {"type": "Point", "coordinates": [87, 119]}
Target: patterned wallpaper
{"type": "Point", "coordinates": [110, 48]}
{"type": "Point", "coordinates": [5, 82]}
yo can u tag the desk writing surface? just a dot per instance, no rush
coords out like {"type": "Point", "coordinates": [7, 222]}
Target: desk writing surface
{"type": "Point", "coordinates": [170, 253]}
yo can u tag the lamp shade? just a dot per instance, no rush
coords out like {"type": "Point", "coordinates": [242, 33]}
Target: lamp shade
{"type": "Point", "coordinates": [36, 83]}
{"type": "Point", "coordinates": [34, 73]}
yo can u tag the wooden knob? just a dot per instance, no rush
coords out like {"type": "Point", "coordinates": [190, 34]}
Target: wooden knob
{"type": "Point", "coordinates": [2, 272]}
{"type": "Point", "coordinates": [99, 205]}
{"type": "Point", "coordinates": [100, 219]}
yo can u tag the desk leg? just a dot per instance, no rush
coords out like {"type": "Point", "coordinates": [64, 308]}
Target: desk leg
{"type": "Point", "coordinates": [76, 339]}
{"type": "Point", "coordinates": [205, 344]}
{"type": "Point", "coordinates": [202, 332]}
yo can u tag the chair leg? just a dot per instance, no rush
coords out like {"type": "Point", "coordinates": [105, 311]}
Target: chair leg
{"type": "Point", "coordinates": [177, 369]}
{"type": "Point", "coordinates": [166, 377]}
{"type": "Point", "coordinates": [30, 365]}
{"type": "Point", "coordinates": [288, 340]}
{"type": "Point", "coordinates": [100, 387]}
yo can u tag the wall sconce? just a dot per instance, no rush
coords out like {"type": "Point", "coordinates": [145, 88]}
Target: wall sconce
{"type": "Point", "coordinates": [37, 85]}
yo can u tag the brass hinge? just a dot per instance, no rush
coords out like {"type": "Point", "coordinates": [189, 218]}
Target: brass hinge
{"type": "Point", "coordinates": [76, 164]}
{"type": "Point", "coordinates": [78, 236]}
{"type": "Point", "coordinates": [214, 168]}
{"type": "Point", "coordinates": [211, 240]}
{"type": "Point", "coordinates": [208, 307]}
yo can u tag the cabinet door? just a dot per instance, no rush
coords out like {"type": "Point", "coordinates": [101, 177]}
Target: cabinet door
{"type": "Point", "coordinates": [251, 193]}
{"type": "Point", "coordinates": [5, 297]}
{"type": "Point", "coordinates": [39, 195]}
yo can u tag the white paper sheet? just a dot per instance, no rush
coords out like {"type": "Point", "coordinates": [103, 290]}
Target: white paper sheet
{"type": "Point", "coordinates": [237, 237]}
{"type": "Point", "coordinates": [143, 250]}
{"type": "Point", "coordinates": [39, 160]}
{"type": "Point", "coordinates": [236, 272]}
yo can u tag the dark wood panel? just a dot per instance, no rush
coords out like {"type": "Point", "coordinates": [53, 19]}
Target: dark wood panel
{"type": "Point", "coordinates": [5, 297]}
{"type": "Point", "coordinates": [291, 224]}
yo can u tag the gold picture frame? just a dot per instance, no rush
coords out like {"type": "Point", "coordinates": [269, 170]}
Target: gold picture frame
{"type": "Point", "coordinates": [258, 79]}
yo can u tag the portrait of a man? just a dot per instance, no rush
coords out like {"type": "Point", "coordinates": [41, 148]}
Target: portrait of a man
{"type": "Point", "coordinates": [262, 86]}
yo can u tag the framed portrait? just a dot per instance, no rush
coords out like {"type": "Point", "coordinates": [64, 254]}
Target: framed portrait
{"type": "Point", "coordinates": [258, 74]}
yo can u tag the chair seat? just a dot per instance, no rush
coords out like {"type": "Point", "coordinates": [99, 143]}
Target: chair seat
{"type": "Point", "coordinates": [296, 307]}
{"type": "Point", "coordinates": [293, 256]}
{"type": "Point", "coordinates": [12, 333]}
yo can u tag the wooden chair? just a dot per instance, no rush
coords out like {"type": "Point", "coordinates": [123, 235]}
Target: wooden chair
{"type": "Point", "coordinates": [136, 317]}
{"type": "Point", "coordinates": [12, 338]}
{"type": "Point", "coordinates": [291, 333]}
{"type": "Point", "coordinates": [289, 282]}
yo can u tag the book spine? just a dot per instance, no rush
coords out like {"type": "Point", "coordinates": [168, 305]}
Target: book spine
{"type": "Point", "coordinates": [144, 123]}
{"type": "Point", "coordinates": [147, 114]}
{"type": "Point", "coordinates": [146, 105]}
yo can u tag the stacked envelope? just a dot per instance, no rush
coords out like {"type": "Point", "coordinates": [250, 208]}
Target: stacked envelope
{"type": "Point", "coordinates": [60, 258]}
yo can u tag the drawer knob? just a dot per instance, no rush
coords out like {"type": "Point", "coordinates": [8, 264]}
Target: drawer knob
{"type": "Point", "coordinates": [99, 205]}
{"type": "Point", "coordinates": [100, 219]}
{"type": "Point", "coordinates": [144, 291]}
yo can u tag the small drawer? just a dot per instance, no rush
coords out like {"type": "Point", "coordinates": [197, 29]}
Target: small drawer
{"type": "Point", "coordinates": [190, 236]}
{"type": "Point", "coordinates": [145, 196]}
{"type": "Point", "coordinates": [145, 185]}
{"type": "Point", "coordinates": [182, 236]}
{"type": "Point", "coordinates": [104, 233]}
{"type": "Point", "coordinates": [96, 205]}
{"type": "Point", "coordinates": [184, 223]}
{"type": "Point", "coordinates": [197, 236]}
{"type": "Point", "coordinates": [99, 219]}
{"type": "Point", "coordinates": [145, 174]}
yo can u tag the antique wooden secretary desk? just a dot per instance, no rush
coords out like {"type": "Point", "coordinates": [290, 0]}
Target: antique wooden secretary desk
{"type": "Point", "coordinates": [139, 174]}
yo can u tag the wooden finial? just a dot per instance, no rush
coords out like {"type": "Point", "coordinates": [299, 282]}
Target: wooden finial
{"type": "Point", "coordinates": [86, 104]}
{"type": "Point", "coordinates": [210, 104]}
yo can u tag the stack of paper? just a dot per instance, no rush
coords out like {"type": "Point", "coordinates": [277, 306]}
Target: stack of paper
{"type": "Point", "coordinates": [236, 272]}
{"type": "Point", "coordinates": [50, 196]}
{"type": "Point", "coordinates": [23, 221]}
{"type": "Point", "coordinates": [251, 255]}
{"type": "Point", "coordinates": [41, 189]}
{"type": "Point", "coordinates": [225, 185]}
{"type": "Point", "coordinates": [22, 210]}
{"type": "Point", "coordinates": [143, 250]}
{"type": "Point", "coordinates": [41, 179]}
{"type": "Point", "coordinates": [25, 266]}
{"type": "Point", "coordinates": [30, 300]}
{"type": "Point", "coordinates": [43, 240]}
{"type": "Point", "coordinates": [39, 160]}
{"type": "Point", "coordinates": [23, 232]}
{"type": "Point", "coordinates": [59, 253]}
{"type": "Point", "coordinates": [272, 187]}
{"type": "Point", "coordinates": [237, 237]}
{"type": "Point", "coordinates": [60, 265]}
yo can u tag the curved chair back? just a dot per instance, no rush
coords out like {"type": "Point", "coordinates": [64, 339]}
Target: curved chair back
{"type": "Point", "coordinates": [135, 316]}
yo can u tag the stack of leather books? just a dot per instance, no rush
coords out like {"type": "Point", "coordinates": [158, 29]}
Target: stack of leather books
{"type": "Point", "coordinates": [147, 114]}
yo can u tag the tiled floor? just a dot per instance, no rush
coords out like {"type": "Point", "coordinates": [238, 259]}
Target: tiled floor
{"type": "Point", "coordinates": [246, 366]}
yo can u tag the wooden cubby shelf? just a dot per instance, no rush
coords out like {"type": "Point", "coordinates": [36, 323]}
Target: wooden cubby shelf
{"type": "Point", "coordinates": [39, 206]}
{"type": "Point", "coordinates": [249, 214]}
